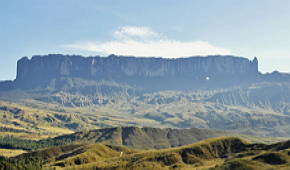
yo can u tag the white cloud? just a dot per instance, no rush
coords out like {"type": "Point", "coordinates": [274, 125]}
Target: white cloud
{"type": "Point", "coordinates": [129, 32]}
{"type": "Point", "coordinates": [143, 41]}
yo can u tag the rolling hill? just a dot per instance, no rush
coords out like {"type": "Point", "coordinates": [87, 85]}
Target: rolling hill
{"type": "Point", "coordinates": [140, 138]}
{"type": "Point", "coordinates": [214, 154]}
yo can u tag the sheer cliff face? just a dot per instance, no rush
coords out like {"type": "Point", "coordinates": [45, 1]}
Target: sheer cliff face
{"type": "Point", "coordinates": [41, 69]}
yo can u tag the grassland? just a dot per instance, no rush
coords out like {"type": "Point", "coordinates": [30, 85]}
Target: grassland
{"type": "Point", "coordinates": [40, 129]}
{"type": "Point", "coordinates": [11, 152]}
{"type": "Point", "coordinates": [250, 110]}
{"type": "Point", "coordinates": [223, 153]}
{"type": "Point", "coordinates": [217, 153]}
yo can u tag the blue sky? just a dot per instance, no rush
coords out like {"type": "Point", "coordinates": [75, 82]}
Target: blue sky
{"type": "Point", "coordinates": [171, 28]}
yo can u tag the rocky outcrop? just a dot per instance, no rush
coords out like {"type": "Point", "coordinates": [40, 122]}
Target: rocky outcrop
{"type": "Point", "coordinates": [276, 76]}
{"type": "Point", "coordinates": [140, 72]}
{"type": "Point", "coordinates": [6, 85]}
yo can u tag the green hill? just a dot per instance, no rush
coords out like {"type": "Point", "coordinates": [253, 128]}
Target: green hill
{"type": "Point", "coordinates": [222, 153]}
{"type": "Point", "coordinates": [142, 138]}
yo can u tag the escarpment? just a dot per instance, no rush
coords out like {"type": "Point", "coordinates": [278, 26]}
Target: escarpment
{"type": "Point", "coordinates": [141, 72]}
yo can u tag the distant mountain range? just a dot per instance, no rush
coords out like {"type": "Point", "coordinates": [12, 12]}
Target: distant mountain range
{"type": "Point", "coordinates": [74, 93]}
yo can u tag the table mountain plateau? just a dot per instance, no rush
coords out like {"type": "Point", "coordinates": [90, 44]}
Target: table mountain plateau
{"type": "Point", "coordinates": [144, 73]}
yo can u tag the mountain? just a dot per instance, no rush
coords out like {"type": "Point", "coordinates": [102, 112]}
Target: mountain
{"type": "Point", "coordinates": [58, 93]}
{"type": "Point", "coordinates": [119, 74]}
{"type": "Point", "coordinates": [142, 73]}
{"type": "Point", "coordinates": [274, 96]}
{"type": "Point", "coordinates": [212, 154]}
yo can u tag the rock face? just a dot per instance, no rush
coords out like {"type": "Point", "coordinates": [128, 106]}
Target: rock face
{"type": "Point", "coordinates": [140, 72]}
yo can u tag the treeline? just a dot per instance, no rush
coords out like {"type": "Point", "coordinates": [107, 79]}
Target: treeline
{"type": "Point", "coordinates": [10, 142]}
{"type": "Point", "coordinates": [20, 164]}
{"type": "Point", "coordinates": [26, 162]}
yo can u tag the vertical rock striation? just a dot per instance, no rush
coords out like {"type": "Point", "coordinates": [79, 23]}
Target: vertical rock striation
{"type": "Point", "coordinates": [141, 72]}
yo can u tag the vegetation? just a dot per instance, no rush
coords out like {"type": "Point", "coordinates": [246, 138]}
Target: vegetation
{"type": "Point", "coordinates": [20, 164]}
{"type": "Point", "coordinates": [141, 138]}
{"type": "Point", "coordinates": [11, 152]}
{"type": "Point", "coordinates": [82, 129]}
{"type": "Point", "coordinates": [251, 111]}
{"type": "Point", "coordinates": [223, 153]}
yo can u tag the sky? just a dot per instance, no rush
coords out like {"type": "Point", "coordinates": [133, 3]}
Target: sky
{"type": "Point", "coordinates": [161, 28]}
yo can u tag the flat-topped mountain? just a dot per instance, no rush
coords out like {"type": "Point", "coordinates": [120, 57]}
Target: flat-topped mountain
{"type": "Point", "coordinates": [144, 73]}
{"type": "Point", "coordinates": [127, 73]}
{"type": "Point", "coordinates": [57, 65]}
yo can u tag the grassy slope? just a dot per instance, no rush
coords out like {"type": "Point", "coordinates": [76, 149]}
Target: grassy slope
{"type": "Point", "coordinates": [142, 138]}
{"type": "Point", "coordinates": [42, 120]}
{"type": "Point", "coordinates": [11, 152]}
{"type": "Point", "coordinates": [201, 154]}
{"type": "Point", "coordinates": [27, 122]}
{"type": "Point", "coordinates": [218, 153]}
{"type": "Point", "coordinates": [174, 109]}
{"type": "Point", "coordinates": [165, 109]}
{"type": "Point", "coordinates": [36, 123]}
{"type": "Point", "coordinates": [223, 153]}
{"type": "Point", "coordinates": [148, 138]}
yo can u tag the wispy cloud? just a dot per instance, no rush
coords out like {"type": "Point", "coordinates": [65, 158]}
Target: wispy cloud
{"type": "Point", "coordinates": [129, 32]}
{"type": "Point", "coordinates": [143, 41]}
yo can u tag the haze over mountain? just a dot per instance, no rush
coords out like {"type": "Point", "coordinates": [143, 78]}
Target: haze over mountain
{"type": "Point", "coordinates": [144, 85]}
{"type": "Point", "coordinates": [149, 74]}
{"type": "Point", "coordinates": [144, 73]}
